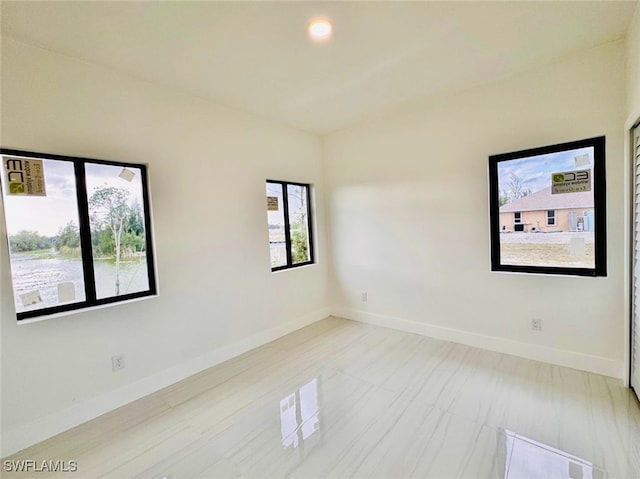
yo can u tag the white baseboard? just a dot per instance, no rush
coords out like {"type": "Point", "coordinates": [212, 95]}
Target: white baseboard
{"type": "Point", "coordinates": [43, 428]}
{"type": "Point", "coordinates": [571, 359]}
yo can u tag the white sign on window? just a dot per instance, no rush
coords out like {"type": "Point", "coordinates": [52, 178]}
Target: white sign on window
{"type": "Point", "coordinates": [571, 182]}
{"type": "Point", "coordinates": [272, 203]}
{"type": "Point", "coordinates": [25, 177]}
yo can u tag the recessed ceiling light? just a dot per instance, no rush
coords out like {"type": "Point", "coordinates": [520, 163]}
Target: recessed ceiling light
{"type": "Point", "coordinates": [320, 29]}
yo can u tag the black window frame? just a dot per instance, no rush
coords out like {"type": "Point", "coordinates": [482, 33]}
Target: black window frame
{"type": "Point", "coordinates": [287, 227]}
{"type": "Point", "coordinates": [600, 209]}
{"type": "Point", "coordinates": [85, 235]}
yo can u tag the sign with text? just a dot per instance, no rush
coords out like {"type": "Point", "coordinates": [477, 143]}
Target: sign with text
{"type": "Point", "coordinates": [25, 177]}
{"type": "Point", "coordinates": [571, 182]}
{"type": "Point", "coordinates": [272, 203]}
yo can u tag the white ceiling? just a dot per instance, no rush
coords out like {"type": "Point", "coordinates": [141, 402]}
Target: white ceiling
{"type": "Point", "coordinates": [256, 56]}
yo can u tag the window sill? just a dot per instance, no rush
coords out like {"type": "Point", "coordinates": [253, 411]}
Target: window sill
{"type": "Point", "coordinates": [83, 310]}
{"type": "Point", "coordinates": [281, 269]}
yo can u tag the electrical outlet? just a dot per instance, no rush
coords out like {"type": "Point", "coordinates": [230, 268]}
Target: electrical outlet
{"type": "Point", "coordinates": [117, 362]}
{"type": "Point", "coordinates": [364, 297]}
{"type": "Point", "coordinates": [536, 324]}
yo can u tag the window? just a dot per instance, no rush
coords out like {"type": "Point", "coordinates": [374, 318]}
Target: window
{"type": "Point", "coordinates": [79, 232]}
{"type": "Point", "coordinates": [289, 220]}
{"type": "Point", "coordinates": [551, 217]}
{"type": "Point", "coordinates": [555, 196]}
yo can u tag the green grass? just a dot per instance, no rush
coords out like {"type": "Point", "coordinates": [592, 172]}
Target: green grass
{"type": "Point", "coordinates": [40, 253]}
{"type": "Point", "coordinates": [48, 253]}
{"type": "Point", "coordinates": [68, 252]}
{"type": "Point", "coordinates": [539, 254]}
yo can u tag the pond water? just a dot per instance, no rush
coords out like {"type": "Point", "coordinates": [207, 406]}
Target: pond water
{"type": "Point", "coordinates": [42, 273]}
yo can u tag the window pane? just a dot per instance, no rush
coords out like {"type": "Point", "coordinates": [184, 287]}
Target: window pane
{"type": "Point", "coordinates": [299, 223]}
{"type": "Point", "coordinates": [118, 236]}
{"type": "Point", "coordinates": [547, 215]}
{"type": "Point", "coordinates": [44, 242]}
{"type": "Point", "coordinates": [551, 218]}
{"type": "Point", "coordinates": [275, 218]}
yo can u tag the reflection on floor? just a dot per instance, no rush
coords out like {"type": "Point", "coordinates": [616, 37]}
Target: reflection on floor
{"type": "Point", "coordinates": [344, 399]}
{"type": "Point", "coordinates": [299, 414]}
{"type": "Point", "coordinates": [529, 458]}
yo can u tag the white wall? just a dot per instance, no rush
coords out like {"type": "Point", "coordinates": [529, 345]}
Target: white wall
{"type": "Point", "coordinates": [408, 202]}
{"type": "Point", "coordinates": [218, 297]}
{"type": "Point", "coordinates": [633, 66]}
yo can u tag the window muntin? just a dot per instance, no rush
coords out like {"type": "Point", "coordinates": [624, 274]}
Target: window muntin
{"type": "Point", "coordinates": [61, 274]}
{"type": "Point", "coordinates": [555, 197]}
{"type": "Point", "coordinates": [289, 222]}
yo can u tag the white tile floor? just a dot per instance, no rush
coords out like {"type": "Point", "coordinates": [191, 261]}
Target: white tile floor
{"type": "Point", "coordinates": [344, 399]}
